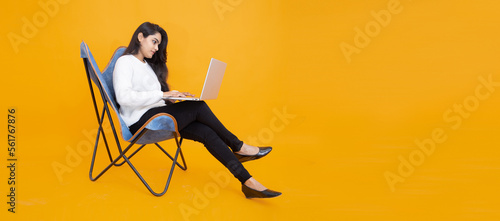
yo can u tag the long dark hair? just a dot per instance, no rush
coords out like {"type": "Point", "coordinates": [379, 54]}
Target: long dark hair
{"type": "Point", "coordinates": [159, 59]}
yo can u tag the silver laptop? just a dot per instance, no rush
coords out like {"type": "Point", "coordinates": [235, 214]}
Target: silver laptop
{"type": "Point", "coordinates": [213, 81]}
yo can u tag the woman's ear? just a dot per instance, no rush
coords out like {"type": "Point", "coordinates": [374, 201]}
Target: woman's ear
{"type": "Point", "coordinates": [140, 37]}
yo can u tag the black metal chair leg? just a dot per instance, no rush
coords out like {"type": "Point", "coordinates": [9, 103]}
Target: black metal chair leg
{"type": "Point", "coordinates": [101, 130]}
{"type": "Point", "coordinates": [122, 154]}
{"type": "Point", "coordinates": [131, 155]}
{"type": "Point", "coordinates": [100, 120]}
{"type": "Point", "coordinates": [169, 176]}
{"type": "Point", "coordinates": [177, 163]}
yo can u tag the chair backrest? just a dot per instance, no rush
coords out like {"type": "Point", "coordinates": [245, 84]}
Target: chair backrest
{"type": "Point", "coordinates": [108, 73]}
{"type": "Point", "coordinates": [104, 81]}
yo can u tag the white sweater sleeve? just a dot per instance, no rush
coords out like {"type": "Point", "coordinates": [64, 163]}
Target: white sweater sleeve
{"type": "Point", "coordinates": [123, 84]}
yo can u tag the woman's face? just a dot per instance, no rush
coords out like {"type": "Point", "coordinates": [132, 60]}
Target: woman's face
{"type": "Point", "coordinates": [149, 45]}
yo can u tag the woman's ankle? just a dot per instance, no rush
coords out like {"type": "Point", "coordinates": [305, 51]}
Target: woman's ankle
{"type": "Point", "coordinates": [254, 184]}
{"type": "Point", "coordinates": [248, 150]}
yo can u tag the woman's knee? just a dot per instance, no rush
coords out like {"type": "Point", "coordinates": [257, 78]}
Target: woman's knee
{"type": "Point", "coordinates": [195, 105]}
{"type": "Point", "coordinates": [199, 132]}
{"type": "Point", "coordinates": [202, 104]}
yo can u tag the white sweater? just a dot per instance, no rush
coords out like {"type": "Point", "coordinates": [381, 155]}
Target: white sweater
{"type": "Point", "coordinates": [136, 87]}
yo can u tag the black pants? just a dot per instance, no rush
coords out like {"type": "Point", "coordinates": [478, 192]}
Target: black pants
{"type": "Point", "coordinates": [196, 121]}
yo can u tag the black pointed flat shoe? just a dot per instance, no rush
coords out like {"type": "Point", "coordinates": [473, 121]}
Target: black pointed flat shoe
{"type": "Point", "coordinates": [251, 193]}
{"type": "Point", "coordinates": [263, 151]}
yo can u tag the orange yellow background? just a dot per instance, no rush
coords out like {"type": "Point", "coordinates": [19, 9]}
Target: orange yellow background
{"type": "Point", "coordinates": [339, 122]}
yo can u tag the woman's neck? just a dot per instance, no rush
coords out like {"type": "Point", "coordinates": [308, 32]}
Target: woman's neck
{"type": "Point", "coordinates": [140, 57]}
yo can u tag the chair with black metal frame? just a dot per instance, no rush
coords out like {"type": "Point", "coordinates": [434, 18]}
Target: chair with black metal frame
{"type": "Point", "coordinates": [159, 128]}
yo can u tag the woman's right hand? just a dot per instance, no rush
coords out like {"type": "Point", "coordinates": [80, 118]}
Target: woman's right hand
{"type": "Point", "coordinates": [174, 93]}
